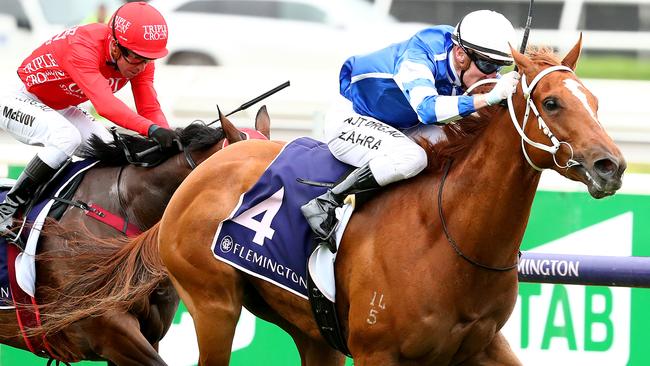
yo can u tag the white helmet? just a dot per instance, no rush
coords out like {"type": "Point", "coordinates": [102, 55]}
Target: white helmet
{"type": "Point", "coordinates": [487, 33]}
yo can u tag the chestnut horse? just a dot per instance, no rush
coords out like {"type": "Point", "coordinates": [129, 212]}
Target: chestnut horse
{"type": "Point", "coordinates": [120, 337]}
{"type": "Point", "coordinates": [416, 284]}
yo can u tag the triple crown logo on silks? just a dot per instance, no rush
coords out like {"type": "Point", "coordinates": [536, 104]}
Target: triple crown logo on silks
{"type": "Point", "coordinates": [155, 32]}
{"type": "Point", "coordinates": [121, 24]}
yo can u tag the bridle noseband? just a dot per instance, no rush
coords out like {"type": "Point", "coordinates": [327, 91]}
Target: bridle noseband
{"type": "Point", "coordinates": [541, 124]}
{"type": "Point", "coordinates": [528, 90]}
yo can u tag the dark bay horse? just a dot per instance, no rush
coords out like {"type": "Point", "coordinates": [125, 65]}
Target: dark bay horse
{"type": "Point", "coordinates": [416, 284]}
{"type": "Point", "coordinates": [121, 337]}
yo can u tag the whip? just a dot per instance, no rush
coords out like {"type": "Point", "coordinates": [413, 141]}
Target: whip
{"type": "Point", "coordinates": [529, 20]}
{"type": "Point", "coordinates": [141, 154]}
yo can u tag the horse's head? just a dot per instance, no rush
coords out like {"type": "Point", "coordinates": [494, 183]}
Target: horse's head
{"type": "Point", "coordinates": [575, 144]}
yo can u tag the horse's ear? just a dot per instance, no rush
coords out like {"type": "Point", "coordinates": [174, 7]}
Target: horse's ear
{"type": "Point", "coordinates": [263, 122]}
{"type": "Point", "coordinates": [232, 133]}
{"type": "Point", "coordinates": [522, 61]}
{"type": "Point", "coordinates": [571, 58]}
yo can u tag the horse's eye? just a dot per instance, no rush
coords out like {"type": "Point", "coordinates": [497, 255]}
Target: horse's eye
{"type": "Point", "coordinates": [551, 104]}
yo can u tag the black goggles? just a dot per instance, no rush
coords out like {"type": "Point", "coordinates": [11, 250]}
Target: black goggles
{"type": "Point", "coordinates": [484, 65]}
{"type": "Point", "coordinates": [132, 57]}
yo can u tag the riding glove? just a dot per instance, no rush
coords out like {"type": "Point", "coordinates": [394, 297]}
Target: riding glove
{"type": "Point", "coordinates": [506, 85]}
{"type": "Point", "coordinates": [163, 136]}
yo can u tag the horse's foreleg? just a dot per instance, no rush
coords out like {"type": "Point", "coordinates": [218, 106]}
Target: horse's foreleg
{"type": "Point", "coordinates": [117, 338]}
{"type": "Point", "coordinates": [497, 353]}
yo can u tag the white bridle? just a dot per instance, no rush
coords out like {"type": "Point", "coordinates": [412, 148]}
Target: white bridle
{"type": "Point", "coordinates": [528, 90]}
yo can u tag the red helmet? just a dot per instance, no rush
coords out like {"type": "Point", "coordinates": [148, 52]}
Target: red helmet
{"type": "Point", "coordinates": [140, 28]}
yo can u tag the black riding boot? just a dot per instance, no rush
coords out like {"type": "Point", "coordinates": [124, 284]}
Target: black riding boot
{"type": "Point", "coordinates": [35, 174]}
{"type": "Point", "coordinates": [319, 212]}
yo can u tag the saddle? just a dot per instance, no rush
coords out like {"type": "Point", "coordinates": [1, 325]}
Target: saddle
{"type": "Point", "coordinates": [266, 234]}
{"type": "Point", "coordinates": [60, 188]}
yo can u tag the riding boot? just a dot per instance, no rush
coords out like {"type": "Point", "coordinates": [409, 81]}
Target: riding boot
{"type": "Point", "coordinates": [35, 174]}
{"type": "Point", "coordinates": [319, 212]}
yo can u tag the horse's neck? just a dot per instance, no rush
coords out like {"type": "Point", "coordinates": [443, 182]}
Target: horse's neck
{"type": "Point", "coordinates": [493, 188]}
{"type": "Point", "coordinates": [149, 190]}
{"type": "Point", "coordinates": [146, 191]}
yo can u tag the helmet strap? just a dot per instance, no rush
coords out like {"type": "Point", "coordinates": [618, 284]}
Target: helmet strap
{"type": "Point", "coordinates": [464, 65]}
{"type": "Point", "coordinates": [462, 81]}
{"type": "Point", "coordinates": [113, 61]}
{"type": "Point", "coordinates": [117, 43]}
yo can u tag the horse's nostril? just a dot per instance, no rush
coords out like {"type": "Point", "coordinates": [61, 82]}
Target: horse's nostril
{"type": "Point", "coordinates": [606, 167]}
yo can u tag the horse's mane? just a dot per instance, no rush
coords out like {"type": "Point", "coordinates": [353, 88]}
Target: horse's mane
{"type": "Point", "coordinates": [196, 136]}
{"type": "Point", "coordinates": [462, 134]}
{"type": "Point", "coordinates": [542, 55]}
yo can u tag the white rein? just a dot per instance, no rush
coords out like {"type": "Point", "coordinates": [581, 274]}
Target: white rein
{"type": "Point", "coordinates": [528, 90]}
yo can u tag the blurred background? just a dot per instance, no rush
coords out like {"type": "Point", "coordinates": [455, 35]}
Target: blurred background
{"type": "Point", "coordinates": [227, 52]}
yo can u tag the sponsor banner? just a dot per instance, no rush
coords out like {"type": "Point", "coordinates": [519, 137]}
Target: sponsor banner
{"type": "Point", "coordinates": [10, 171]}
{"type": "Point", "coordinates": [567, 324]}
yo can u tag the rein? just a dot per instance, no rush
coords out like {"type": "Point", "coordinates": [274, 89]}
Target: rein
{"type": "Point", "coordinates": [188, 158]}
{"type": "Point", "coordinates": [451, 240]}
{"type": "Point", "coordinates": [135, 158]}
{"type": "Point", "coordinates": [120, 201]}
{"type": "Point", "coordinates": [552, 149]}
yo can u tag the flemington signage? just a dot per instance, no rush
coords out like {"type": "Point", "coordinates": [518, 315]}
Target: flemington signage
{"type": "Point", "coordinates": [550, 267]}
{"type": "Point", "coordinates": [551, 324]}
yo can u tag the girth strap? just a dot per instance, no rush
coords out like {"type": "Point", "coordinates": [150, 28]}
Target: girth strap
{"type": "Point", "coordinates": [120, 223]}
{"type": "Point", "coordinates": [101, 214]}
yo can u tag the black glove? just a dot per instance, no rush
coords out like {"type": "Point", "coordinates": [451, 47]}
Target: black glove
{"type": "Point", "coordinates": [163, 136]}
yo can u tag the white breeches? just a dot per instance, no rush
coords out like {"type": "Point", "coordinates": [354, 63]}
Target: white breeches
{"type": "Point", "coordinates": [61, 132]}
{"type": "Point", "coordinates": [359, 140]}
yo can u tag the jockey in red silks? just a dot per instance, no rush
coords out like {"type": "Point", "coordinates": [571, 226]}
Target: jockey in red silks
{"type": "Point", "coordinates": [418, 81]}
{"type": "Point", "coordinates": [89, 62]}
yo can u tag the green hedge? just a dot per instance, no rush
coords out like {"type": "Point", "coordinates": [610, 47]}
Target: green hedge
{"type": "Point", "coordinates": [611, 67]}
{"type": "Point", "coordinates": [621, 68]}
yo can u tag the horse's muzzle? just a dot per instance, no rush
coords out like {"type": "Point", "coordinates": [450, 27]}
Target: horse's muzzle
{"type": "Point", "coordinates": [604, 177]}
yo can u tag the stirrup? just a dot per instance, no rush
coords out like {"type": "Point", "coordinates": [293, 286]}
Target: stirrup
{"type": "Point", "coordinates": [13, 237]}
{"type": "Point", "coordinates": [330, 240]}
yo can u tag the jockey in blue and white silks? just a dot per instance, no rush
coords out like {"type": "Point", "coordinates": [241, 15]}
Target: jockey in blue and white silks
{"type": "Point", "coordinates": [418, 81]}
{"type": "Point", "coordinates": [408, 83]}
